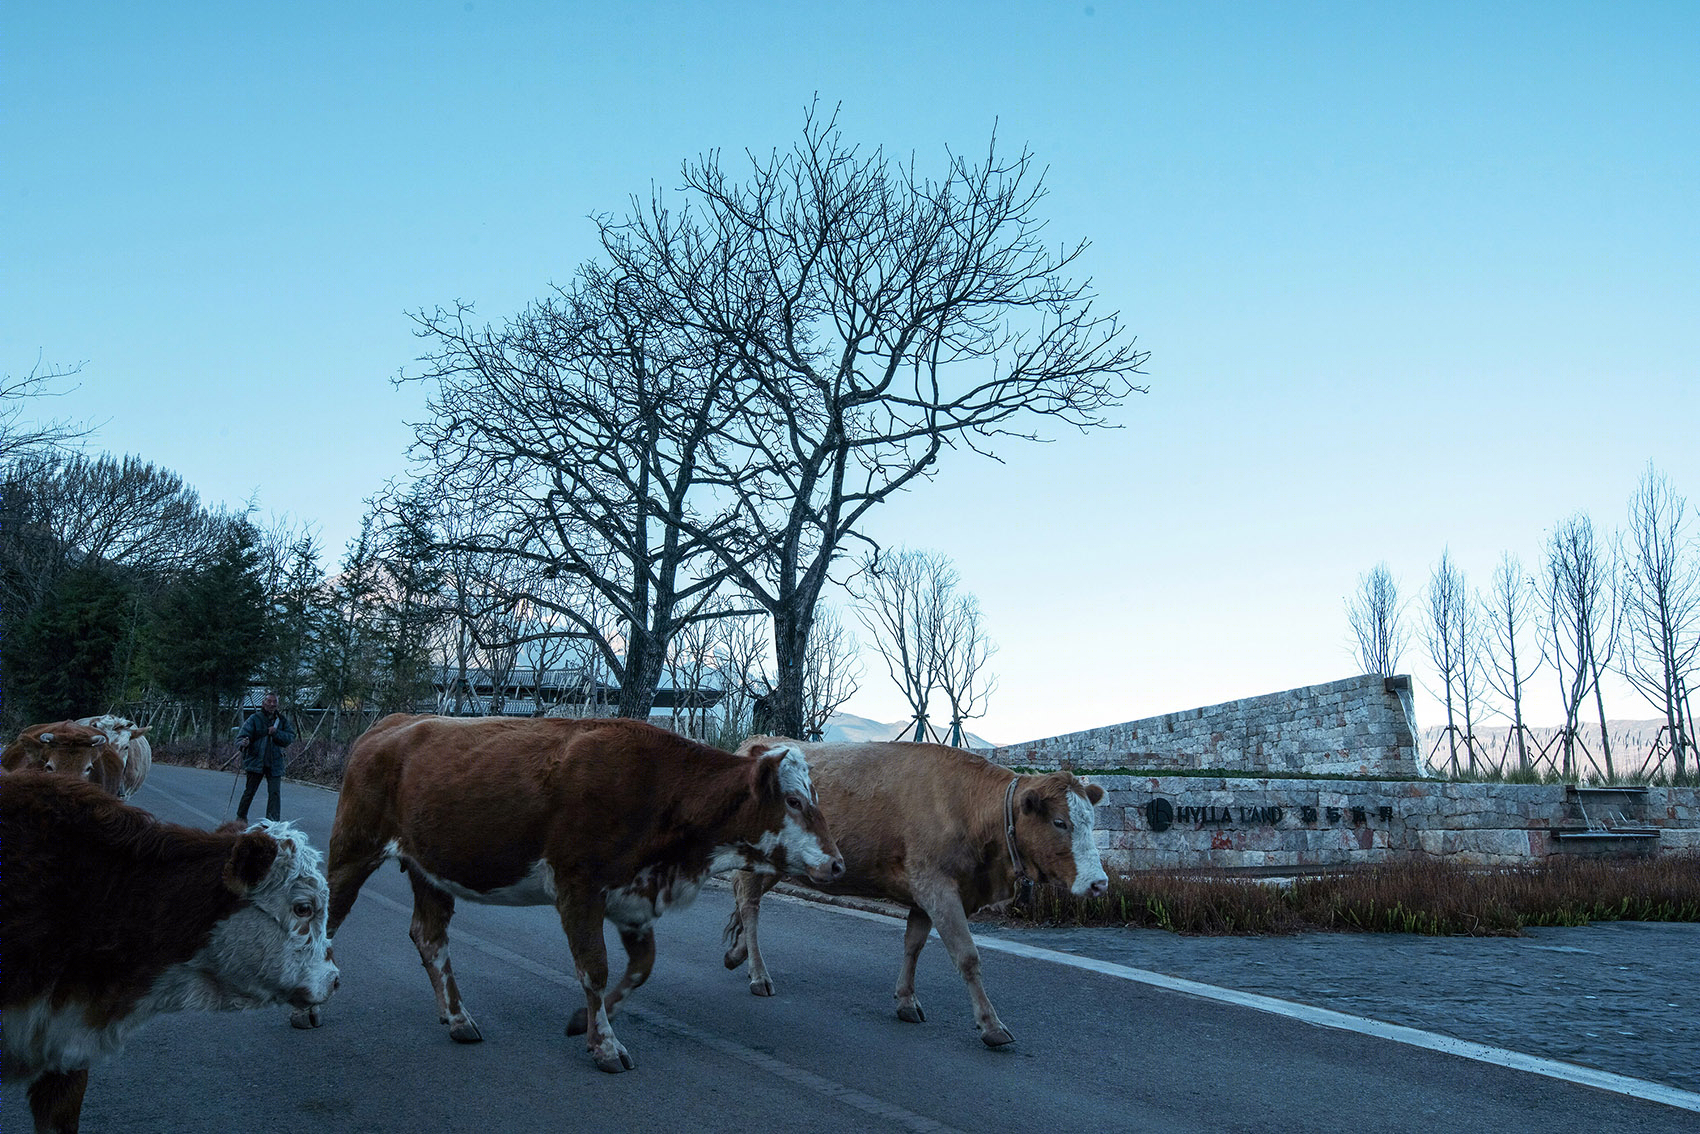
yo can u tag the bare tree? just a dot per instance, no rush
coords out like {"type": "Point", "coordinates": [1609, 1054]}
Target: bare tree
{"type": "Point", "coordinates": [903, 599]}
{"type": "Point", "coordinates": [1506, 609]}
{"type": "Point", "coordinates": [1576, 592]}
{"type": "Point", "coordinates": [1471, 651]}
{"type": "Point", "coordinates": [1448, 596]}
{"type": "Point", "coordinates": [579, 431]}
{"type": "Point", "coordinates": [833, 672]}
{"type": "Point", "coordinates": [1661, 606]}
{"type": "Point", "coordinates": [876, 316]}
{"type": "Point", "coordinates": [963, 652]}
{"type": "Point", "coordinates": [1374, 613]}
{"type": "Point", "coordinates": [22, 436]}
{"type": "Point", "coordinates": [125, 511]}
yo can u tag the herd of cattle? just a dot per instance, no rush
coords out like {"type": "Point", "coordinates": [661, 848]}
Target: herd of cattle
{"type": "Point", "coordinates": [606, 820]}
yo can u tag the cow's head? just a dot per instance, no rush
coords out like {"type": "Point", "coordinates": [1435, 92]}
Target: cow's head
{"type": "Point", "coordinates": [1053, 832]}
{"type": "Point", "coordinates": [70, 749]}
{"type": "Point", "coordinates": [795, 838]}
{"type": "Point", "coordinates": [274, 949]}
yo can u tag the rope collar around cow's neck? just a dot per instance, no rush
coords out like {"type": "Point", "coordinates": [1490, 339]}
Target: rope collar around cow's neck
{"type": "Point", "coordinates": [1009, 830]}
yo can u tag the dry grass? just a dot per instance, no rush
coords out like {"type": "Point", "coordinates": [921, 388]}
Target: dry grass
{"type": "Point", "coordinates": [1417, 897]}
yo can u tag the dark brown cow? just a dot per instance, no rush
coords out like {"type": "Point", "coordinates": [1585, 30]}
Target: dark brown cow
{"type": "Point", "coordinates": [944, 832]}
{"type": "Point", "coordinates": [108, 917]}
{"type": "Point", "coordinates": [68, 748]}
{"type": "Point", "coordinates": [610, 819]}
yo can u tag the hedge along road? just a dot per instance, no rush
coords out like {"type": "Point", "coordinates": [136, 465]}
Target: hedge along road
{"type": "Point", "coordinates": [1094, 1050]}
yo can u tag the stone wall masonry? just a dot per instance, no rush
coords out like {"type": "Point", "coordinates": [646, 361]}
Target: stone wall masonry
{"type": "Point", "coordinates": [1270, 825]}
{"type": "Point", "coordinates": [1361, 726]}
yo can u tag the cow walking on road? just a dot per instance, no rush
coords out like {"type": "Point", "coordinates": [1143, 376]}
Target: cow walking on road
{"type": "Point", "coordinates": [610, 819]}
{"type": "Point", "coordinates": [944, 832]}
{"type": "Point", "coordinates": [108, 917]}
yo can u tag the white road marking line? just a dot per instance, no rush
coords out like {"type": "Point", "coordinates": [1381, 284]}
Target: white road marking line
{"type": "Point", "coordinates": [1327, 1018]}
{"type": "Point", "coordinates": [838, 1092]}
{"type": "Point", "coordinates": [1321, 1017]}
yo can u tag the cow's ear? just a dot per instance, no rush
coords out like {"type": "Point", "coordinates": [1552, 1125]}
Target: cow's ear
{"type": "Point", "coordinates": [766, 776]}
{"type": "Point", "coordinates": [1032, 802]}
{"type": "Point", "coordinates": [1094, 793]}
{"type": "Point", "coordinates": [250, 861]}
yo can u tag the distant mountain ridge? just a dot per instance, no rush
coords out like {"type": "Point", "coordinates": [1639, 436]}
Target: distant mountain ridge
{"type": "Point", "coordinates": [849, 727]}
{"type": "Point", "coordinates": [1631, 746]}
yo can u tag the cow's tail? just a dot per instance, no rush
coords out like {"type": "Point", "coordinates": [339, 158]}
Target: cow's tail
{"type": "Point", "coordinates": [734, 931]}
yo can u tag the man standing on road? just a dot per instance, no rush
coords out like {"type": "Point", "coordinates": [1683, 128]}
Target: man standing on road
{"type": "Point", "coordinates": [262, 739]}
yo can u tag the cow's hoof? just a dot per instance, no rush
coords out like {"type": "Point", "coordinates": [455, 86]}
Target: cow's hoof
{"type": "Point", "coordinates": [305, 1018]}
{"type": "Point", "coordinates": [465, 1032]}
{"type": "Point", "coordinates": [579, 1024]}
{"type": "Point", "coordinates": [911, 1013]}
{"type": "Point", "coordinates": [763, 987]}
{"type": "Point", "coordinates": [736, 955]}
{"type": "Point", "coordinates": [996, 1037]}
{"type": "Point", "coordinates": [611, 1056]}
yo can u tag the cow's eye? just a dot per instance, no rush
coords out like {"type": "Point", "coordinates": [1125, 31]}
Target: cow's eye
{"type": "Point", "coordinates": [1060, 824]}
{"type": "Point", "coordinates": [795, 803]}
{"type": "Point", "coordinates": [303, 909]}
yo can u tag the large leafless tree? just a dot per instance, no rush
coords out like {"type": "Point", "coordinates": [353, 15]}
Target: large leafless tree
{"type": "Point", "coordinates": [1375, 616]}
{"type": "Point", "coordinates": [23, 432]}
{"type": "Point", "coordinates": [579, 432]}
{"type": "Point", "coordinates": [874, 316]}
{"type": "Point", "coordinates": [1661, 607]}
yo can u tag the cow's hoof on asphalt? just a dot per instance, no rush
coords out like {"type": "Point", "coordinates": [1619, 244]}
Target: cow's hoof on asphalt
{"type": "Point", "coordinates": [911, 1013]}
{"type": "Point", "coordinates": [305, 1018]}
{"type": "Point", "coordinates": [613, 1057]}
{"type": "Point", "coordinates": [580, 1023]}
{"type": "Point", "coordinates": [761, 988]}
{"type": "Point", "coordinates": [465, 1032]}
{"type": "Point", "coordinates": [997, 1037]}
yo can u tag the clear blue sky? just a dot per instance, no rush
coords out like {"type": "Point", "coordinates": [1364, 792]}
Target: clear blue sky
{"type": "Point", "coordinates": [1411, 277]}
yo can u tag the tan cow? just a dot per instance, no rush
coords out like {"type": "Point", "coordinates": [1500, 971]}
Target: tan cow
{"type": "Point", "coordinates": [68, 748]}
{"type": "Point", "coordinates": [944, 832]}
{"type": "Point", "coordinates": [612, 819]}
{"type": "Point", "coordinates": [134, 751]}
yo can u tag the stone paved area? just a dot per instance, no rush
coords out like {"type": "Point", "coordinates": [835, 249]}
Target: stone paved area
{"type": "Point", "coordinates": [1621, 997]}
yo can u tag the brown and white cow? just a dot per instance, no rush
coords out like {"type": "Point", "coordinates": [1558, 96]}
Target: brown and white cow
{"type": "Point", "coordinates": [131, 741]}
{"type": "Point", "coordinates": [69, 748]}
{"type": "Point", "coordinates": [612, 819]}
{"type": "Point", "coordinates": [110, 917]}
{"type": "Point", "coordinates": [944, 832]}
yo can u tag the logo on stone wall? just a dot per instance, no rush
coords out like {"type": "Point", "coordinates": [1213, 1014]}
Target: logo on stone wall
{"type": "Point", "coordinates": [1159, 815]}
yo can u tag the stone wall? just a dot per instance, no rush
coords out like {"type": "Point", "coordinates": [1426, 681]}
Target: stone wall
{"type": "Point", "coordinates": [1361, 726]}
{"type": "Point", "coordinates": [1272, 825]}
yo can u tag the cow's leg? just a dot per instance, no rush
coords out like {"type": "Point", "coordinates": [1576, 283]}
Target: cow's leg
{"type": "Point", "coordinates": [581, 913]}
{"type": "Point", "coordinates": [352, 861]}
{"type": "Point", "coordinates": [747, 889]}
{"type": "Point", "coordinates": [56, 1101]}
{"type": "Point", "coordinates": [640, 961]}
{"type": "Point", "coordinates": [943, 904]}
{"type": "Point", "coordinates": [432, 909]}
{"type": "Point", "coordinates": [914, 937]}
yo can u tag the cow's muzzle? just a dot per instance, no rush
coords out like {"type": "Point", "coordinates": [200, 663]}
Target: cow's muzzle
{"type": "Point", "coordinates": [829, 871]}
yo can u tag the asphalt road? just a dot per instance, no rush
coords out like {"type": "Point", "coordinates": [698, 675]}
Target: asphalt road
{"type": "Point", "coordinates": [1094, 1050]}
